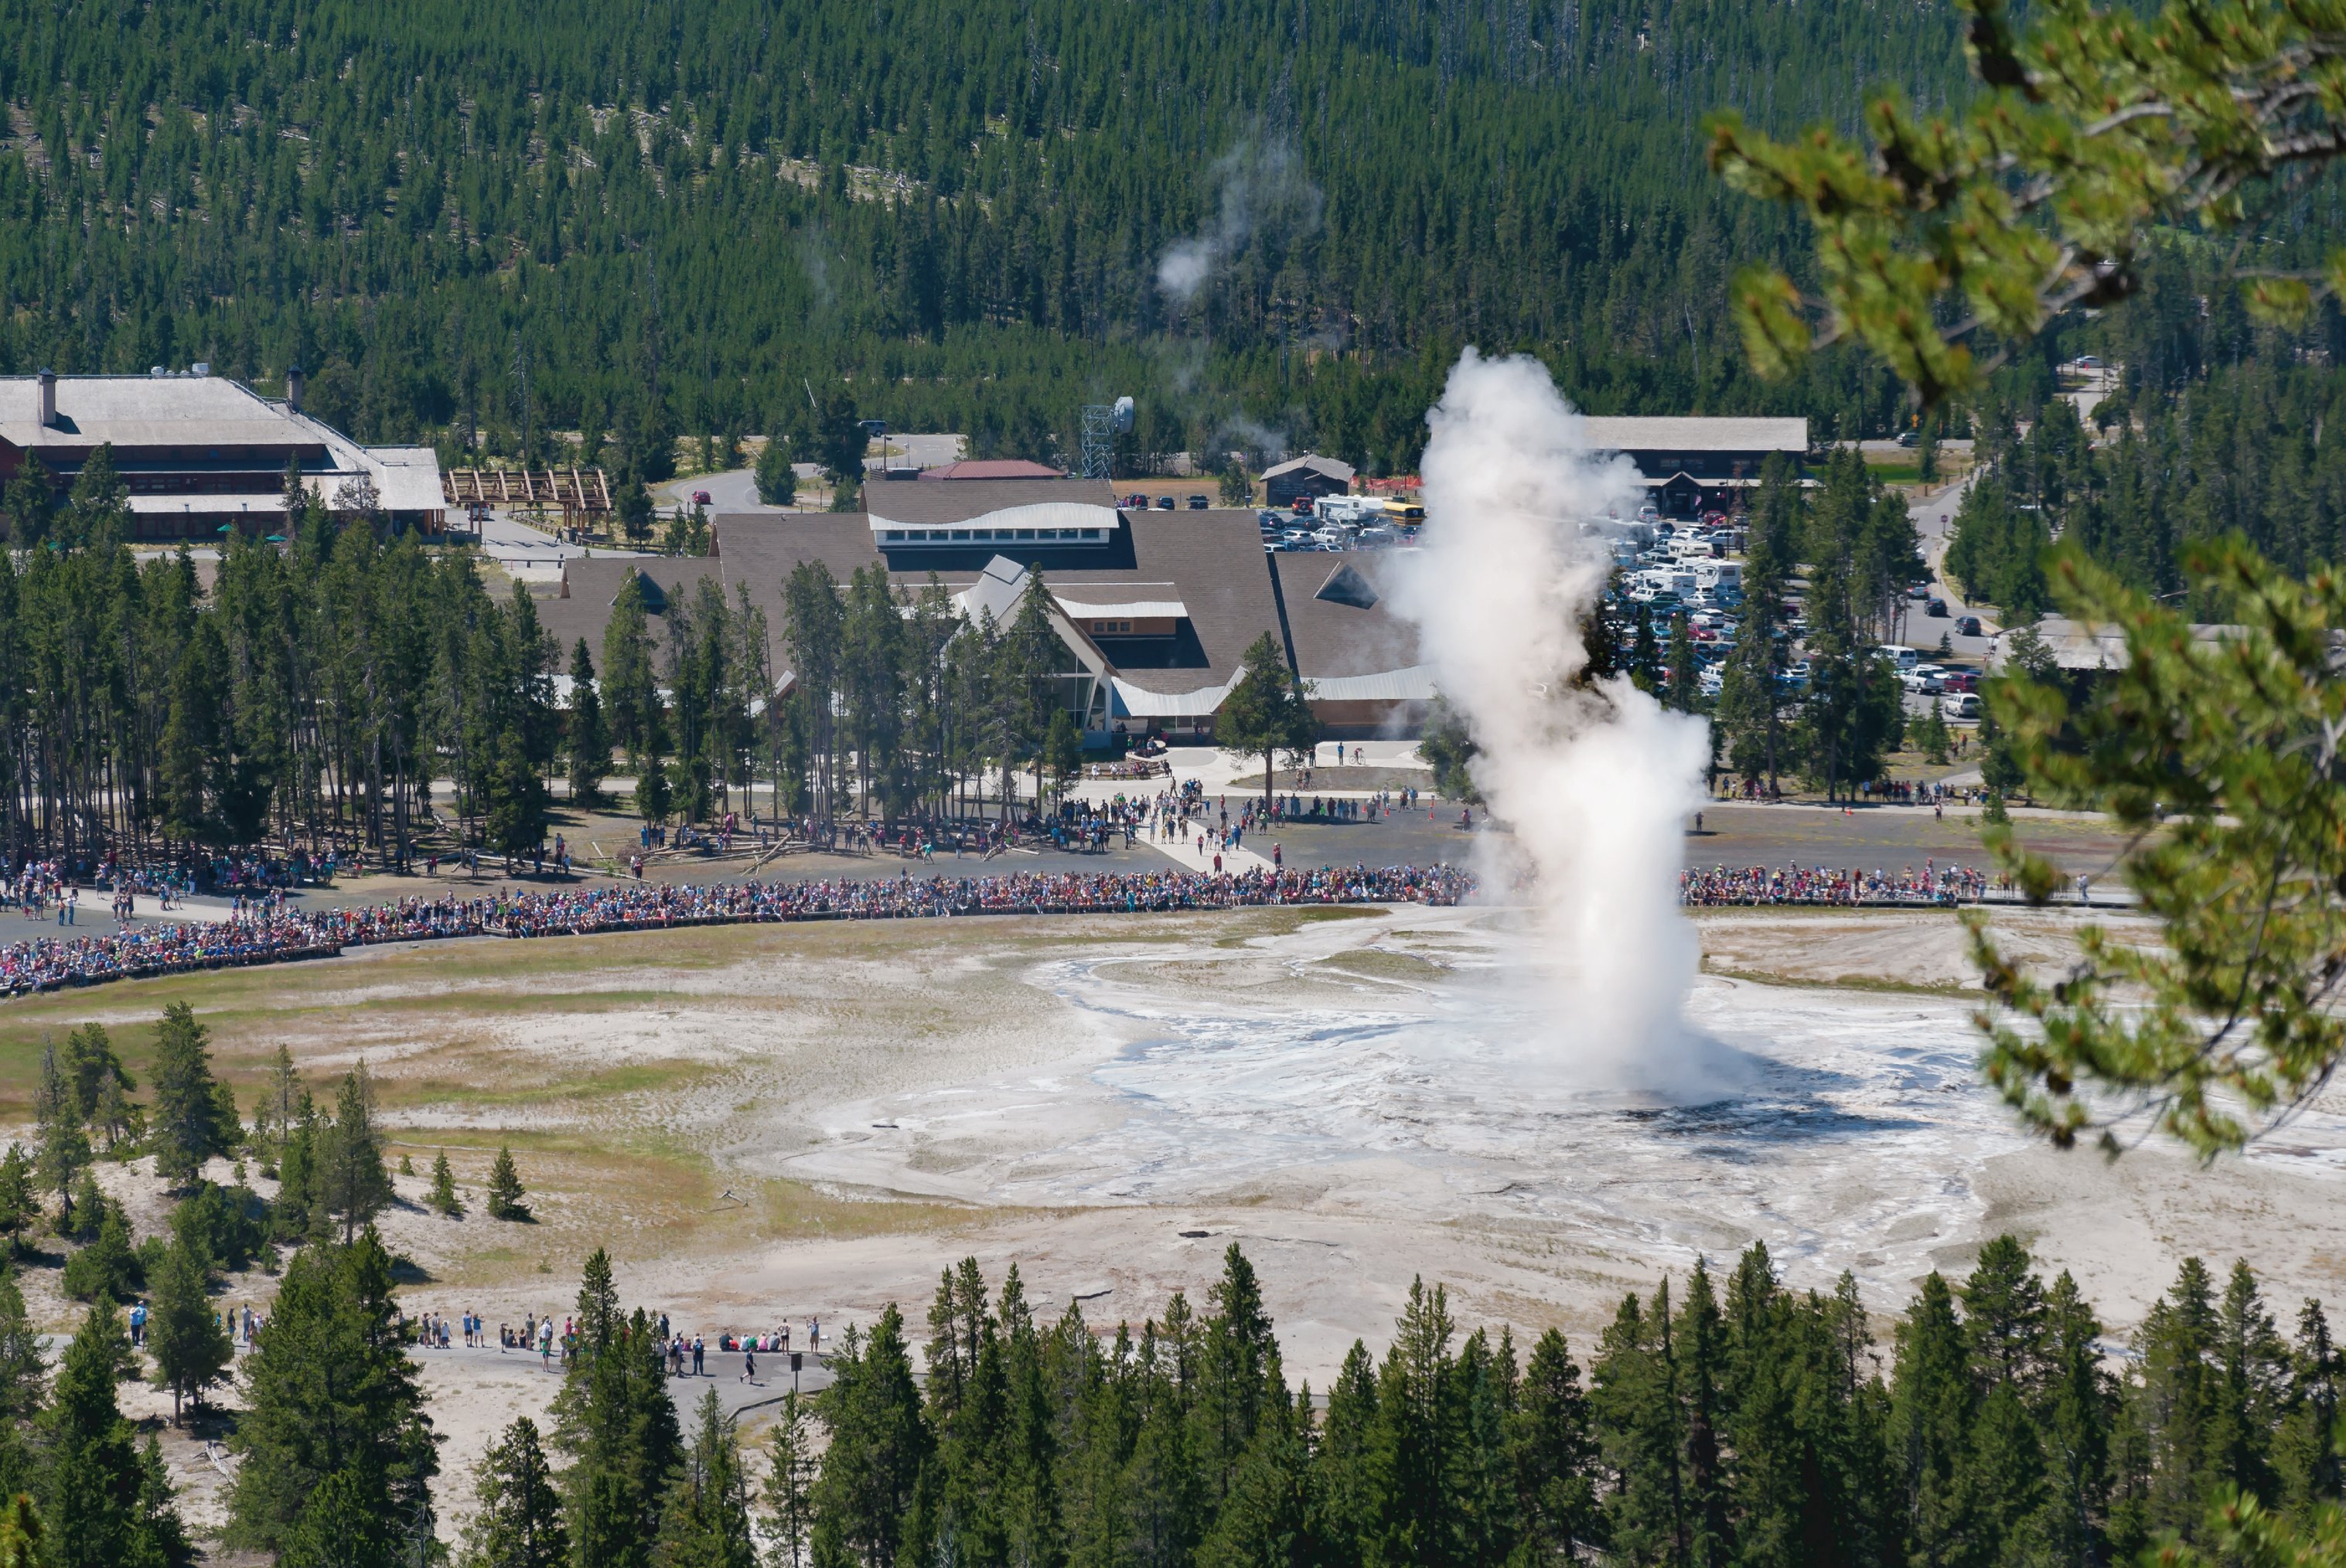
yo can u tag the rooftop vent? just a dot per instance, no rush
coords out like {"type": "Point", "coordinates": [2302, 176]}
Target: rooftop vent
{"type": "Point", "coordinates": [1346, 586]}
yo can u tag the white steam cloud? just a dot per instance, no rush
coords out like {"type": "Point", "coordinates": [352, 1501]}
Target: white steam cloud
{"type": "Point", "coordinates": [1259, 189]}
{"type": "Point", "coordinates": [1594, 783]}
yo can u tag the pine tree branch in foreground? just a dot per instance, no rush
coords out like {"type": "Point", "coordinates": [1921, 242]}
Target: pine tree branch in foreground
{"type": "Point", "coordinates": [2096, 128]}
{"type": "Point", "coordinates": [2221, 757]}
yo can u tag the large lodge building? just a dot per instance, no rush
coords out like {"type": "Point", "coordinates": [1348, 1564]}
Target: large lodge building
{"type": "Point", "coordinates": [1156, 609]}
{"type": "Point", "coordinates": [202, 454]}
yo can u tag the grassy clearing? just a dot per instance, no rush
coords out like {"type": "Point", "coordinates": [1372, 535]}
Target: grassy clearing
{"type": "Point", "coordinates": [1866, 982]}
{"type": "Point", "coordinates": [1382, 964]}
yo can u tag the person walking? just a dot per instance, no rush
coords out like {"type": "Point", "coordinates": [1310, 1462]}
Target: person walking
{"type": "Point", "coordinates": [748, 1360]}
{"type": "Point", "coordinates": [700, 1349]}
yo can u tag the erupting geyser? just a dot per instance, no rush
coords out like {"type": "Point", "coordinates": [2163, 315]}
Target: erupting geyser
{"type": "Point", "coordinates": [1594, 780]}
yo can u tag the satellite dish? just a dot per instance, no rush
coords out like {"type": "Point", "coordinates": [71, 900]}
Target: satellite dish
{"type": "Point", "coordinates": [1123, 416]}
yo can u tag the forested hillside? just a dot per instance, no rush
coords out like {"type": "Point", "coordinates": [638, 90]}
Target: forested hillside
{"type": "Point", "coordinates": [1260, 217]}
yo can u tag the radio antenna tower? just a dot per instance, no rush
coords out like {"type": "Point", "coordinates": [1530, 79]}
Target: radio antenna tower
{"type": "Point", "coordinates": [1102, 423]}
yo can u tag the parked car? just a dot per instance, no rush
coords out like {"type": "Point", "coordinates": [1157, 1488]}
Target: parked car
{"type": "Point", "coordinates": [1961, 680]}
{"type": "Point", "coordinates": [1330, 537]}
{"type": "Point", "coordinates": [1925, 680]}
{"type": "Point", "coordinates": [1269, 521]}
{"type": "Point", "coordinates": [1165, 504]}
{"type": "Point", "coordinates": [1294, 538]}
{"type": "Point", "coordinates": [1301, 506]}
{"type": "Point", "coordinates": [1968, 627]}
{"type": "Point", "coordinates": [1967, 706]}
{"type": "Point", "coordinates": [1199, 504]}
{"type": "Point", "coordinates": [1136, 502]}
{"type": "Point", "coordinates": [1377, 534]}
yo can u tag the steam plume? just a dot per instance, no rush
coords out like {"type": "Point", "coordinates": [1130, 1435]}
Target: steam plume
{"type": "Point", "coordinates": [1595, 782]}
{"type": "Point", "coordinates": [1261, 189]}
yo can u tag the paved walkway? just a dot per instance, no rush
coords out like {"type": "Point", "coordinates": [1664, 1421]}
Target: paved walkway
{"type": "Point", "coordinates": [721, 1371]}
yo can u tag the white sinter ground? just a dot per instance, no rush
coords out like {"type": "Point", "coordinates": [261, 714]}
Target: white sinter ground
{"type": "Point", "coordinates": [1284, 1080]}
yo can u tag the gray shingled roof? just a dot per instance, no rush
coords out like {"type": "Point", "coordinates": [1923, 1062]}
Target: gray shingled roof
{"type": "Point", "coordinates": [1335, 639]}
{"type": "Point", "coordinates": [964, 499]}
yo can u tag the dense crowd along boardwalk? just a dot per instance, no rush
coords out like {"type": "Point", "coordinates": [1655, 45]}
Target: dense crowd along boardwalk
{"type": "Point", "coordinates": [1934, 884]}
{"type": "Point", "coordinates": [267, 933]}
{"type": "Point", "coordinates": [265, 930]}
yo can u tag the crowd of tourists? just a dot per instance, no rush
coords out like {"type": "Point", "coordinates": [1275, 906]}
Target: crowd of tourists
{"type": "Point", "coordinates": [266, 931]}
{"type": "Point", "coordinates": [1934, 884]}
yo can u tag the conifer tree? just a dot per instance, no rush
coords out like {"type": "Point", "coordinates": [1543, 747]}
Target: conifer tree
{"type": "Point", "coordinates": [20, 1532]}
{"type": "Point", "coordinates": [100, 1086]}
{"type": "Point", "coordinates": [188, 1123]}
{"type": "Point", "coordinates": [105, 1502]}
{"type": "Point", "coordinates": [63, 1149]}
{"type": "Point", "coordinates": [1342, 1490]}
{"type": "Point", "coordinates": [1420, 1441]}
{"type": "Point", "coordinates": [89, 1207]}
{"type": "Point", "coordinates": [1702, 1359]}
{"type": "Point", "coordinates": [879, 1443]}
{"type": "Point", "coordinates": [1554, 1451]}
{"type": "Point", "coordinates": [280, 1107]}
{"type": "Point", "coordinates": [1645, 652]}
{"type": "Point", "coordinates": [519, 1520]}
{"type": "Point", "coordinates": [2077, 1412]}
{"type": "Point", "coordinates": [20, 1203]}
{"type": "Point", "coordinates": [614, 1420]}
{"type": "Point", "coordinates": [352, 1181]}
{"type": "Point", "coordinates": [444, 1189]}
{"type": "Point", "coordinates": [790, 1485]}
{"type": "Point", "coordinates": [588, 742]}
{"type": "Point", "coordinates": [1641, 1427]}
{"type": "Point", "coordinates": [707, 1524]}
{"type": "Point", "coordinates": [2306, 1448]}
{"type": "Point", "coordinates": [1269, 710]}
{"type": "Point", "coordinates": [1263, 1518]}
{"type": "Point", "coordinates": [1931, 1411]}
{"type": "Point", "coordinates": [1234, 1365]}
{"type": "Point", "coordinates": [24, 1390]}
{"type": "Point", "coordinates": [346, 1523]}
{"type": "Point", "coordinates": [301, 1203]}
{"type": "Point", "coordinates": [1931, 736]}
{"type": "Point", "coordinates": [1685, 692]}
{"type": "Point", "coordinates": [506, 1193]}
{"type": "Point", "coordinates": [331, 1391]}
{"type": "Point", "coordinates": [2176, 1402]}
{"type": "Point", "coordinates": [191, 1350]}
{"type": "Point", "coordinates": [106, 1269]}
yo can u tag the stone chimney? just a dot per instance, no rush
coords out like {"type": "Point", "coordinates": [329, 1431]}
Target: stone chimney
{"type": "Point", "coordinates": [293, 379]}
{"type": "Point", "coordinates": [48, 382]}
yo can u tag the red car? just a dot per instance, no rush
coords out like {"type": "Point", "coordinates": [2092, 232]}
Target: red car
{"type": "Point", "coordinates": [1961, 680]}
{"type": "Point", "coordinates": [700, 498]}
{"type": "Point", "coordinates": [1302, 506]}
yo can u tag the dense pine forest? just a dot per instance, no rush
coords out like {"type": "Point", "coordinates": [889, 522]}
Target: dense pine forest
{"type": "Point", "coordinates": [1272, 221]}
